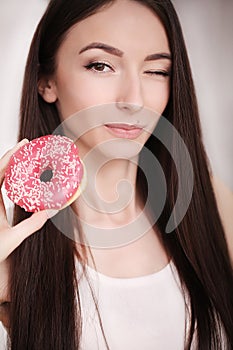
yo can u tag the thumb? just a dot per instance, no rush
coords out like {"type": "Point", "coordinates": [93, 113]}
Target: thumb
{"type": "Point", "coordinates": [17, 234]}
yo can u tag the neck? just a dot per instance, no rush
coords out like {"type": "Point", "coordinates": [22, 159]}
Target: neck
{"type": "Point", "coordinates": [110, 196]}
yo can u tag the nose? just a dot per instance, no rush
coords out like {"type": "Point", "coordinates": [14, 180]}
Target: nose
{"type": "Point", "coordinates": [130, 97]}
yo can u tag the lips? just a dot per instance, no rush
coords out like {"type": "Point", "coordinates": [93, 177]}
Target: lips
{"type": "Point", "coordinates": [124, 126]}
{"type": "Point", "coordinates": [128, 131]}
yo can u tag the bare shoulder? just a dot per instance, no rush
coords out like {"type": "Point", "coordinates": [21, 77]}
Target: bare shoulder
{"type": "Point", "coordinates": [224, 197]}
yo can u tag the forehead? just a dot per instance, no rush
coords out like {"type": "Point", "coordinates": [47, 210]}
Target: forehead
{"type": "Point", "coordinates": [126, 24]}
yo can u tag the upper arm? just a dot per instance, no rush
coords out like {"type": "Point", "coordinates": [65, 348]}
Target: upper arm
{"type": "Point", "coordinates": [224, 198]}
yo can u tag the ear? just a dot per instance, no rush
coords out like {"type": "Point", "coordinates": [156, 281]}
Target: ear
{"type": "Point", "coordinates": [47, 90]}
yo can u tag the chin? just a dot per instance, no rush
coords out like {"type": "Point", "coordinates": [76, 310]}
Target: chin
{"type": "Point", "coordinates": [120, 149]}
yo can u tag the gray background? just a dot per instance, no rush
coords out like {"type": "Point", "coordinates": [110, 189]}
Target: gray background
{"type": "Point", "coordinates": [208, 30]}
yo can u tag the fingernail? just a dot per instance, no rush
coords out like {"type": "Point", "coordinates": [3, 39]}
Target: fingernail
{"type": "Point", "coordinates": [24, 141]}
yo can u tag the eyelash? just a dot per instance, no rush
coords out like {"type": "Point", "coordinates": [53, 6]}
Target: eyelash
{"type": "Point", "coordinates": [161, 73]}
{"type": "Point", "coordinates": [92, 65]}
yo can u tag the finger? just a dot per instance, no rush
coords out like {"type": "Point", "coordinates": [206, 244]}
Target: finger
{"type": "Point", "coordinates": [3, 217]}
{"type": "Point", "coordinates": [13, 237]}
{"type": "Point", "coordinates": [3, 164]}
{"type": "Point", "coordinates": [6, 157]}
{"type": "Point", "coordinates": [29, 226]}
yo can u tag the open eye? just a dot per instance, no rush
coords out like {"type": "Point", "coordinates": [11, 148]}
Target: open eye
{"type": "Point", "coordinates": [99, 67]}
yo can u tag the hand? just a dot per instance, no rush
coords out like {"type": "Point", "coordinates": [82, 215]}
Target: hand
{"type": "Point", "coordinates": [12, 237]}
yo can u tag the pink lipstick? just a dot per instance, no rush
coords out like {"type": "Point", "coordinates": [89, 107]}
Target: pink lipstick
{"type": "Point", "coordinates": [124, 130]}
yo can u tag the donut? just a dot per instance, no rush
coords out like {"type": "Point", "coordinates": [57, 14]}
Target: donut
{"type": "Point", "coordinates": [45, 173]}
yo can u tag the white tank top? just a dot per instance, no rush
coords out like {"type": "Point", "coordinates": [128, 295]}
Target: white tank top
{"type": "Point", "coordinates": [142, 313]}
{"type": "Point", "coordinates": [3, 337]}
{"type": "Point", "coordinates": [146, 312]}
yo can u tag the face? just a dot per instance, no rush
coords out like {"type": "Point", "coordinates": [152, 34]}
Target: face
{"type": "Point", "coordinates": [118, 56]}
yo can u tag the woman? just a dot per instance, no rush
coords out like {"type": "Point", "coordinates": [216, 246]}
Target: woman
{"type": "Point", "coordinates": [129, 54]}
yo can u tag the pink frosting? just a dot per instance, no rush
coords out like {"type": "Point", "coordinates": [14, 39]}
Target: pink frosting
{"type": "Point", "coordinates": [26, 182]}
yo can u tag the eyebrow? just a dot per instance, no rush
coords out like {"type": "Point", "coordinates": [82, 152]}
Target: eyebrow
{"type": "Point", "coordinates": [158, 56]}
{"type": "Point", "coordinates": [116, 52]}
{"type": "Point", "coordinates": [104, 47]}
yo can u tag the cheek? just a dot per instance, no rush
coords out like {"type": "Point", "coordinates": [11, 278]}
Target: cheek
{"type": "Point", "coordinates": [76, 93]}
{"type": "Point", "coordinates": [157, 96]}
{"type": "Point", "coordinates": [72, 97]}
{"type": "Point", "coordinates": [91, 141]}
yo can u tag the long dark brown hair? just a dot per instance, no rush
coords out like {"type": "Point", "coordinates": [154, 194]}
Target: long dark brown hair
{"type": "Point", "coordinates": [45, 309]}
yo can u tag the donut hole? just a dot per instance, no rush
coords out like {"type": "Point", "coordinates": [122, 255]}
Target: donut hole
{"type": "Point", "coordinates": [46, 175]}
